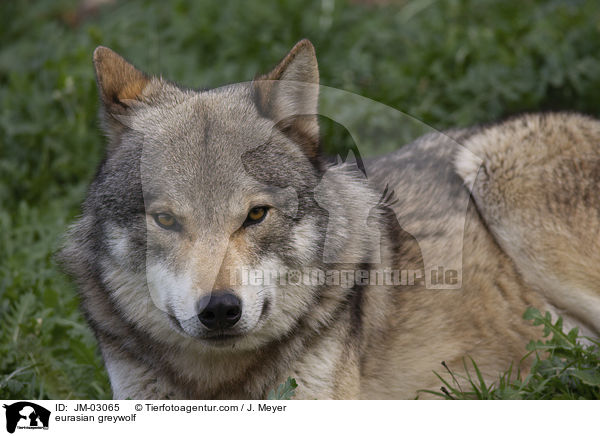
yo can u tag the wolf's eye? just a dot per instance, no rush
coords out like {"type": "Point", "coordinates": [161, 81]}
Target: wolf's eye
{"type": "Point", "coordinates": [256, 215]}
{"type": "Point", "coordinates": [165, 221]}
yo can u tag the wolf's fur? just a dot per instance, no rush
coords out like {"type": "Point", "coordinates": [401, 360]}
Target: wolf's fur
{"type": "Point", "coordinates": [527, 231]}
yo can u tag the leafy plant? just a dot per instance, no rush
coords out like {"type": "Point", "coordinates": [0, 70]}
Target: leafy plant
{"type": "Point", "coordinates": [285, 391]}
{"type": "Point", "coordinates": [564, 367]}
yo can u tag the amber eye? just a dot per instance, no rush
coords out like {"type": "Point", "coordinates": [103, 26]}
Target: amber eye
{"type": "Point", "coordinates": [166, 221]}
{"type": "Point", "coordinates": [256, 215]}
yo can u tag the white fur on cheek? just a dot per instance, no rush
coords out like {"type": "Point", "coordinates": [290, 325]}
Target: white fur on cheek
{"type": "Point", "coordinates": [252, 297]}
{"type": "Point", "coordinates": [131, 294]}
{"type": "Point", "coordinates": [287, 301]}
{"type": "Point", "coordinates": [172, 293]}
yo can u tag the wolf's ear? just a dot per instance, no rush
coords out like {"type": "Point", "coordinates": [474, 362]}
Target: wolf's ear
{"type": "Point", "coordinates": [289, 96]}
{"type": "Point", "coordinates": [119, 82]}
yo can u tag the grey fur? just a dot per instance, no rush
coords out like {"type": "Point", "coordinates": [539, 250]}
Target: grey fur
{"type": "Point", "coordinates": [207, 158]}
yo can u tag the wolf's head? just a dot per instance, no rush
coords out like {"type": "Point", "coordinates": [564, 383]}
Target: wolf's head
{"type": "Point", "coordinates": [205, 201]}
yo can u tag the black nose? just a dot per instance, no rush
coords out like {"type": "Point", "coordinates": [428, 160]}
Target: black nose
{"type": "Point", "coordinates": [220, 310]}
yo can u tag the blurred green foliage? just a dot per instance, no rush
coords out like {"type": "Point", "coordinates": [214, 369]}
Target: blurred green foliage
{"type": "Point", "coordinates": [447, 63]}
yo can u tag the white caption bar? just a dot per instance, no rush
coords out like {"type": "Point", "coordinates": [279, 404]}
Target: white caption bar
{"type": "Point", "coordinates": [25, 417]}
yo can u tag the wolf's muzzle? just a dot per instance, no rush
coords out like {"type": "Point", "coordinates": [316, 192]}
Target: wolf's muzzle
{"type": "Point", "coordinates": [220, 311]}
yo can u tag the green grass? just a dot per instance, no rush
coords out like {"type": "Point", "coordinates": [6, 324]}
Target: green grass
{"type": "Point", "coordinates": [565, 367]}
{"type": "Point", "coordinates": [448, 63]}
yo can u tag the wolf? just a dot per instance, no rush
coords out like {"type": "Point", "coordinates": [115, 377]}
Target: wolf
{"type": "Point", "coordinates": [200, 188]}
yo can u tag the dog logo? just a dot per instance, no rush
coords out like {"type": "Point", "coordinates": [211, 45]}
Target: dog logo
{"type": "Point", "coordinates": [26, 415]}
